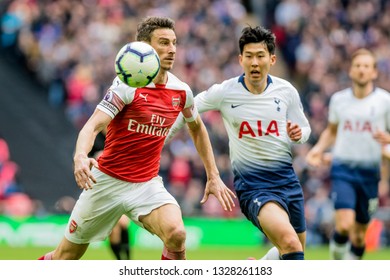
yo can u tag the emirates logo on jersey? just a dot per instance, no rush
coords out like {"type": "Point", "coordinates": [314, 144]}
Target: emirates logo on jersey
{"type": "Point", "coordinates": [73, 226]}
{"type": "Point", "coordinates": [176, 102]}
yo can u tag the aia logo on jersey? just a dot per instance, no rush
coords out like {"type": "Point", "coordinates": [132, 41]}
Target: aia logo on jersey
{"type": "Point", "coordinates": [72, 226]}
{"type": "Point", "coordinates": [358, 126]}
{"type": "Point", "coordinates": [176, 102]}
{"type": "Point", "coordinates": [258, 129]}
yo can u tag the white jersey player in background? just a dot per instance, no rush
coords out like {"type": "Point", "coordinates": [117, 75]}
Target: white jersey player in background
{"type": "Point", "coordinates": [358, 120]}
{"type": "Point", "coordinates": [263, 116]}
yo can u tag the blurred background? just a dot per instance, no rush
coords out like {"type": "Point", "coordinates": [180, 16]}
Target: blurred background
{"type": "Point", "coordinates": [56, 62]}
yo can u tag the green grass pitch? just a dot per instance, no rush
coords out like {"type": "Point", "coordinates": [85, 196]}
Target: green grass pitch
{"type": "Point", "coordinates": [208, 253]}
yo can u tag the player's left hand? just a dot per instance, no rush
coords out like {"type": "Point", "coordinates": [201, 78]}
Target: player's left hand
{"type": "Point", "coordinates": [382, 137]}
{"type": "Point", "coordinates": [294, 131]}
{"type": "Point", "coordinates": [224, 195]}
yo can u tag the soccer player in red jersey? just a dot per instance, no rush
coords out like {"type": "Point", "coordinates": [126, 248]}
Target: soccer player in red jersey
{"type": "Point", "coordinates": [124, 179]}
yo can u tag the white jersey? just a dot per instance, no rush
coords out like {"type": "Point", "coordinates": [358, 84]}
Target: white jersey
{"type": "Point", "coordinates": [256, 125]}
{"type": "Point", "coordinates": [357, 120]}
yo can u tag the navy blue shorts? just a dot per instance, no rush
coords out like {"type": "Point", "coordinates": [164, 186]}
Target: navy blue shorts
{"type": "Point", "coordinates": [359, 196]}
{"type": "Point", "coordinates": [290, 197]}
{"type": "Point", "coordinates": [355, 188]}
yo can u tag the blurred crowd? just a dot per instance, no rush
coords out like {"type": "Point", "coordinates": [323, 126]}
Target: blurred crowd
{"type": "Point", "coordinates": [13, 199]}
{"type": "Point", "coordinates": [70, 47]}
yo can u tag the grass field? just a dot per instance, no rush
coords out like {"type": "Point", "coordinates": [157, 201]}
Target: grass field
{"type": "Point", "coordinates": [209, 253]}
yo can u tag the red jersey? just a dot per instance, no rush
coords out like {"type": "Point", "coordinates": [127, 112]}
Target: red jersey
{"type": "Point", "coordinates": [142, 118]}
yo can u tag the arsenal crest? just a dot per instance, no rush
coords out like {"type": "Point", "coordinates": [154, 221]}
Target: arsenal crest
{"type": "Point", "coordinates": [176, 102]}
{"type": "Point", "coordinates": [72, 226]}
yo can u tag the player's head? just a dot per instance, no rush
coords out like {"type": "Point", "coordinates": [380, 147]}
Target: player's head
{"type": "Point", "coordinates": [257, 55]}
{"type": "Point", "coordinates": [159, 32]}
{"type": "Point", "coordinates": [257, 34]}
{"type": "Point", "coordinates": [363, 69]}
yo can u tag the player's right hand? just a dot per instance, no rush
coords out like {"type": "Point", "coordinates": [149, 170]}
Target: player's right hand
{"type": "Point", "coordinates": [314, 158]}
{"type": "Point", "coordinates": [82, 171]}
{"type": "Point", "coordinates": [218, 188]}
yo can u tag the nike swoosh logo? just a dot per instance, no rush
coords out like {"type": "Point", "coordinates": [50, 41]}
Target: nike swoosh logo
{"type": "Point", "coordinates": [235, 106]}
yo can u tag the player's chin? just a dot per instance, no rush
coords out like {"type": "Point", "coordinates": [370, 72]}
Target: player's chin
{"type": "Point", "coordinates": [167, 65]}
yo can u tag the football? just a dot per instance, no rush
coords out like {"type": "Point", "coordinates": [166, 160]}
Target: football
{"type": "Point", "coordinates": [137, 64]}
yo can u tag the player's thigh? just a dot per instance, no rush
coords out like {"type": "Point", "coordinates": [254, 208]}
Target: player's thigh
{"type": "Point", "coordinates": [302, 239]}
{"type": "Point", "coordinates": [115, 235]}
{"type": "Point", "coordinates": [124, 222]}
{"type": "Point", "coordinates": [96, 211]}
{"type": "Point", "coordinates": [275, 223]}
{"type": "Point", "coordinates": [155, 209]}
{"type": "Point", "coordinates": [163, 221]}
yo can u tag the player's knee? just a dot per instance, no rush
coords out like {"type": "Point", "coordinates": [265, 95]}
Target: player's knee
{"type": "Point", "coordinates": [176, 238]}
{"type": "Point", "coordinates": [290, 244]}
{"type": "Point", "coordinates": [358, 238]}
{"type": "Point", "coordinates": [344, 227]}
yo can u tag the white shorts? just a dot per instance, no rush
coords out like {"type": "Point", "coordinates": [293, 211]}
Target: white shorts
{"type": "Point", "coordinates": [99, 209]}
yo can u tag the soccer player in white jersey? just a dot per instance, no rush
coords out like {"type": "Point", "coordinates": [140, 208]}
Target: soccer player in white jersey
{"type": "Point", "coordinates": [263, 116]}
{"type": "Point", "coordinates": [124, 179]}
{"type": "Point", "coordinates": [358, 119]}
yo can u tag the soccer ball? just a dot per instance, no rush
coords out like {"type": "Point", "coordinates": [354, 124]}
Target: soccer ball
{"type": "Point", "coordinates": [137, 64]}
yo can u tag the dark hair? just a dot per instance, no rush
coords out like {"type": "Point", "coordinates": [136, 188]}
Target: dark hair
{"type": "Point", "coordinates": [257, 34]}
{"type": "Point", "coordinates": [146, 27]}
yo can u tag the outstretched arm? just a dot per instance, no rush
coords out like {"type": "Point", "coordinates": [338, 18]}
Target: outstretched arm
{"type": "Point", "coordinates": [315, 157]}
{"type": "Point", "coordinates": [82, 164]}
{"type": "Point", "coordinates": [214, 185]}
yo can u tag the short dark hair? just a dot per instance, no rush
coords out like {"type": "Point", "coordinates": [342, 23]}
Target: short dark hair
{"type": "Point", "coordinates": [146, 27]}
{"type": "Point", "coordinates": [257, 34]}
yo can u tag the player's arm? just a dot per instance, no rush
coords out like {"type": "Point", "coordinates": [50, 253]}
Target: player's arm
{"type": "Point", "coordinates": [298, 127]}
{"type": "Point", "coordinates": [177, 125]}
{"type": "Point", "coordinates": [315, 156]}
{"type": "Point", "coordinates": [386, 152]}
{"type": "Point", "coordinates": [85, 140]}
{"type": "Point", "coordinates": [214, 185]}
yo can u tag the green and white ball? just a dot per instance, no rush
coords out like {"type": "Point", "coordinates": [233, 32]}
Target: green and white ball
{"type": "Point", "coordinates": [137, 64]}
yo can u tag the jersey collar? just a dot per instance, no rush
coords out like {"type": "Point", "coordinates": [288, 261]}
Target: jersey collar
{"type": "Point", "coordinates": [241, 80]}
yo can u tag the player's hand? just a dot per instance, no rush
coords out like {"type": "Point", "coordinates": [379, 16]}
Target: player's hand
{"type": "Point", "coordinates": [224, 195]}
{"type": "Point", "coordinates": [315, 157]}
{"type": "Point", "coordinates": [382, 137]}
{"type": "Point", "coordinates": [294, 131]}
{"type": "Point", "coordinates": [82, 171]}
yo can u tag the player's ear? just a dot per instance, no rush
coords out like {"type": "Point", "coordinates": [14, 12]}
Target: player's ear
{"type": "Point", "coordinates": [273, 59]}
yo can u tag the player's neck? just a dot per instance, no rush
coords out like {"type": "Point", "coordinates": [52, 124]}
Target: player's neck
{"type": "Point", "coordinates": [161, 78]}
{"type": "Point", "coordinates": [255, 89]}
{"type": "Point", "coordinates": [362, 91]}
